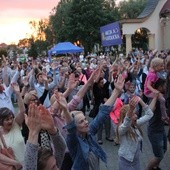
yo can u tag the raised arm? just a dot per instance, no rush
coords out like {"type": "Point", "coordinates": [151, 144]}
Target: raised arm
{"type": "Point", "coordinates": [47, 123]}
{"type": "Point", "coordinates": [123, 127]}
{"type": "Point", "coordinates": [5, 75]}
{"type": "Point", "coordinates": [26, 86]}
{"type": "Point", "coordinates": [63, 105]}
{"type": "Point", "coordinates": [119, 84]}
{"type": "Point", "coordinates": [32, 120]}
{"type": "Point", "coordinates": [72, 83]}
{"type": "Point", "coordinates": [20, 116]}
{"type": "Point", "coordinates": [89, 83]}
{"type": "Point", "coordinates": [54, 82]}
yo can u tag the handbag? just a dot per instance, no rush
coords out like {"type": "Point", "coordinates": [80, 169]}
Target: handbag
{"type": "Point", "coordinates": [7, 152]}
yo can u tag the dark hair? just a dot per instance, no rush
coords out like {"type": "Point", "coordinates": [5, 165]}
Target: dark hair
{"type": "Point", "coordinates": [159, 82]}
{"type": "Point", "coordinates": [100, 79]}
{"type": "Point", "coordinates": [4, 113]}
{"type": "Point", "coordinates": [43, 156]}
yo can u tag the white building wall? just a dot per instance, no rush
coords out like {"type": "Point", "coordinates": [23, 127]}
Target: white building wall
{"type": "Point", "coordinates": [152, 24]}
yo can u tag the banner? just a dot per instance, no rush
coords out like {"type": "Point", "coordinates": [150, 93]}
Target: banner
{"type": "Point", "coordinates": [110, 34]}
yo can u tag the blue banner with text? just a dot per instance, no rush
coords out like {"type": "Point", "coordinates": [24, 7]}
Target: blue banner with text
{"type": "Point", "coordinates": [111, 34]}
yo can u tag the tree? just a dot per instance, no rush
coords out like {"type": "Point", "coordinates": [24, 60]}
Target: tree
{"type": "Point", "coordinates": [38, 43]}
{"type": "Point", "coordinates": [32, 52]}
{"type": "Point", "coordinates": [57, 29]}
{"type": "Point", "coordinates": [131, 8]}
{"type": "Point", "coordinates": [24, 42]}
{"type": "Point", "coordinates": [85, 19]}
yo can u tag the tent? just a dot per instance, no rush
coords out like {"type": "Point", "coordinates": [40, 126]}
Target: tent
{"type": "Point", "coordinates": [65, 47]}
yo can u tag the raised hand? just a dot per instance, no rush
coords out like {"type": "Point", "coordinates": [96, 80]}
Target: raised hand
{"type": "Point", "coordinates": [33, 119]}
{"type": "Point", "coordinates": [15, 87]}
{"type": "Point", "coordinates": [72, 83]}
{"type": "Point", "coordinates": [44, 76]}
{"type": "Point", "coordinates": [133, 102]}
{"type": "Point", "coordinates": [119, 83]}
{"type": "Point", "coordinates": [62, 101]}
{"type": "Point", "coordinates": [34, 64]}
{"type": "Point", "coordinates": [4, 60]}
{"type": "Point", "coordinates": [94, 74]}
{"type": "Point", "coordinates": [25, 81]}
{"type": "Point", "coordinates": [47, 122]}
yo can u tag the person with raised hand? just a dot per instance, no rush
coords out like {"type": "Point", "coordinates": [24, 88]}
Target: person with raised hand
{"type": "Point", "coordinates": [11, 131]}
{"type": "Point", "coordinates": [81, 141]}
{"type": "Point", "coordinates": [36, 158]}
{"type": "Point", "coordinates": [38, 83]}
{"type": "Point", "coordinates": [55, 111]}
{"type": "Point", "coordinates": [130, 134]}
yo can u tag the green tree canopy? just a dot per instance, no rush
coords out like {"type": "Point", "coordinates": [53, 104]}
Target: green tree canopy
{"type": "Point", "coordinates": [131, 8]}
{"type": "Point", "coordinates": [81, 20]}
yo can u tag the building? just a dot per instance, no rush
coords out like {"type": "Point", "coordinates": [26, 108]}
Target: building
{"type": "Point", "coordinates": [155, 19]}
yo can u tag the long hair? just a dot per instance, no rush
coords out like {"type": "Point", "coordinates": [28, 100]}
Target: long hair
{"type": "Point", "coordinates": [124, 110]}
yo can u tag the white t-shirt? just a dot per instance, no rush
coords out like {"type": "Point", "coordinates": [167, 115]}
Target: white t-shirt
{"type": "Point", "coordinates": [15, 140]}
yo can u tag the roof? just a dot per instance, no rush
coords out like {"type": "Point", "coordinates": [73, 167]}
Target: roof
{"type": "Point", "coordinates": [65, 47]}
{"type": "Point", "coordinates": [135, 20]}
{"type": "Point", "coordinates": [149, 9]}
{"type": "Point", "coordinates": [166, 8]}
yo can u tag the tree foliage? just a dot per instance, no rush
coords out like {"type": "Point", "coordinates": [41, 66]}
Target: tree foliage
{"type": "Point", "coordinates": [131, 8]}
{"type": "Point", "coordinates": [80, 20]}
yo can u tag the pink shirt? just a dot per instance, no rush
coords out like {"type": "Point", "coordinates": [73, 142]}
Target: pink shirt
{"type": "Point", "coordinates": [115, 113]}
{"type": "Point", "coordinates": [153, 78]}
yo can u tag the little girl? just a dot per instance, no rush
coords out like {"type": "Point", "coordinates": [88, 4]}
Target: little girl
{"type": "Point", "coordinates": [157, 65]}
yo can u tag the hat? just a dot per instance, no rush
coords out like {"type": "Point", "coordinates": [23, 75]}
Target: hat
{"type": "Point", "coordinates": [28, 96]}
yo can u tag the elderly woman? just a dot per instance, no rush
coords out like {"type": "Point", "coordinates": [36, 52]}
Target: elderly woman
{"type": "Point", "coordinates": [30, 98]}
{"type": "Point", "coordinates": [11, 131]}
{"type": "Point", "coordinates": [130, 134]}
{"type": "Point", "coordinates": [84, 149]}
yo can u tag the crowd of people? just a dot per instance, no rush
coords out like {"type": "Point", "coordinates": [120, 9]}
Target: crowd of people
{"type": "Point", "coordinates": [51, 130]}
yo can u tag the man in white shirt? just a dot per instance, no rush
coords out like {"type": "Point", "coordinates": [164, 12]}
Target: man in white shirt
{"type": "Point", "coordinates": [38, 85]}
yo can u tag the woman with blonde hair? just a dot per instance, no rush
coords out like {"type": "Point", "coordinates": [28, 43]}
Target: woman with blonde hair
{"type": "Point", "coordinates": [129, 133]}
{"type": "Point", "coordinates": [81, 138]}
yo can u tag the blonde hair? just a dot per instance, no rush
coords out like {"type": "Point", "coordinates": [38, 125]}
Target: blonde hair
{"type": "Point", "coordinates": [75, 113]}
{"type": "Point", "coordinates": [156, 62]}
{"type": "Point", "coordinates": [29, 95]}
{"type": "Point", "coordinates": [124, 110]}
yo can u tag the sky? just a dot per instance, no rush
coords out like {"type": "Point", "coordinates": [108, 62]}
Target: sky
{"type": "Point", "coordinates": [15, 16]}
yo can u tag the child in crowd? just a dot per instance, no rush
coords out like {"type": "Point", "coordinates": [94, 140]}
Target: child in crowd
{"type": "Point", "coordinates": [130, 92]}
{"type": "Point", "coordinates": [130, 134]}
{"type": "Point", "coordinates": [157, 65]}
